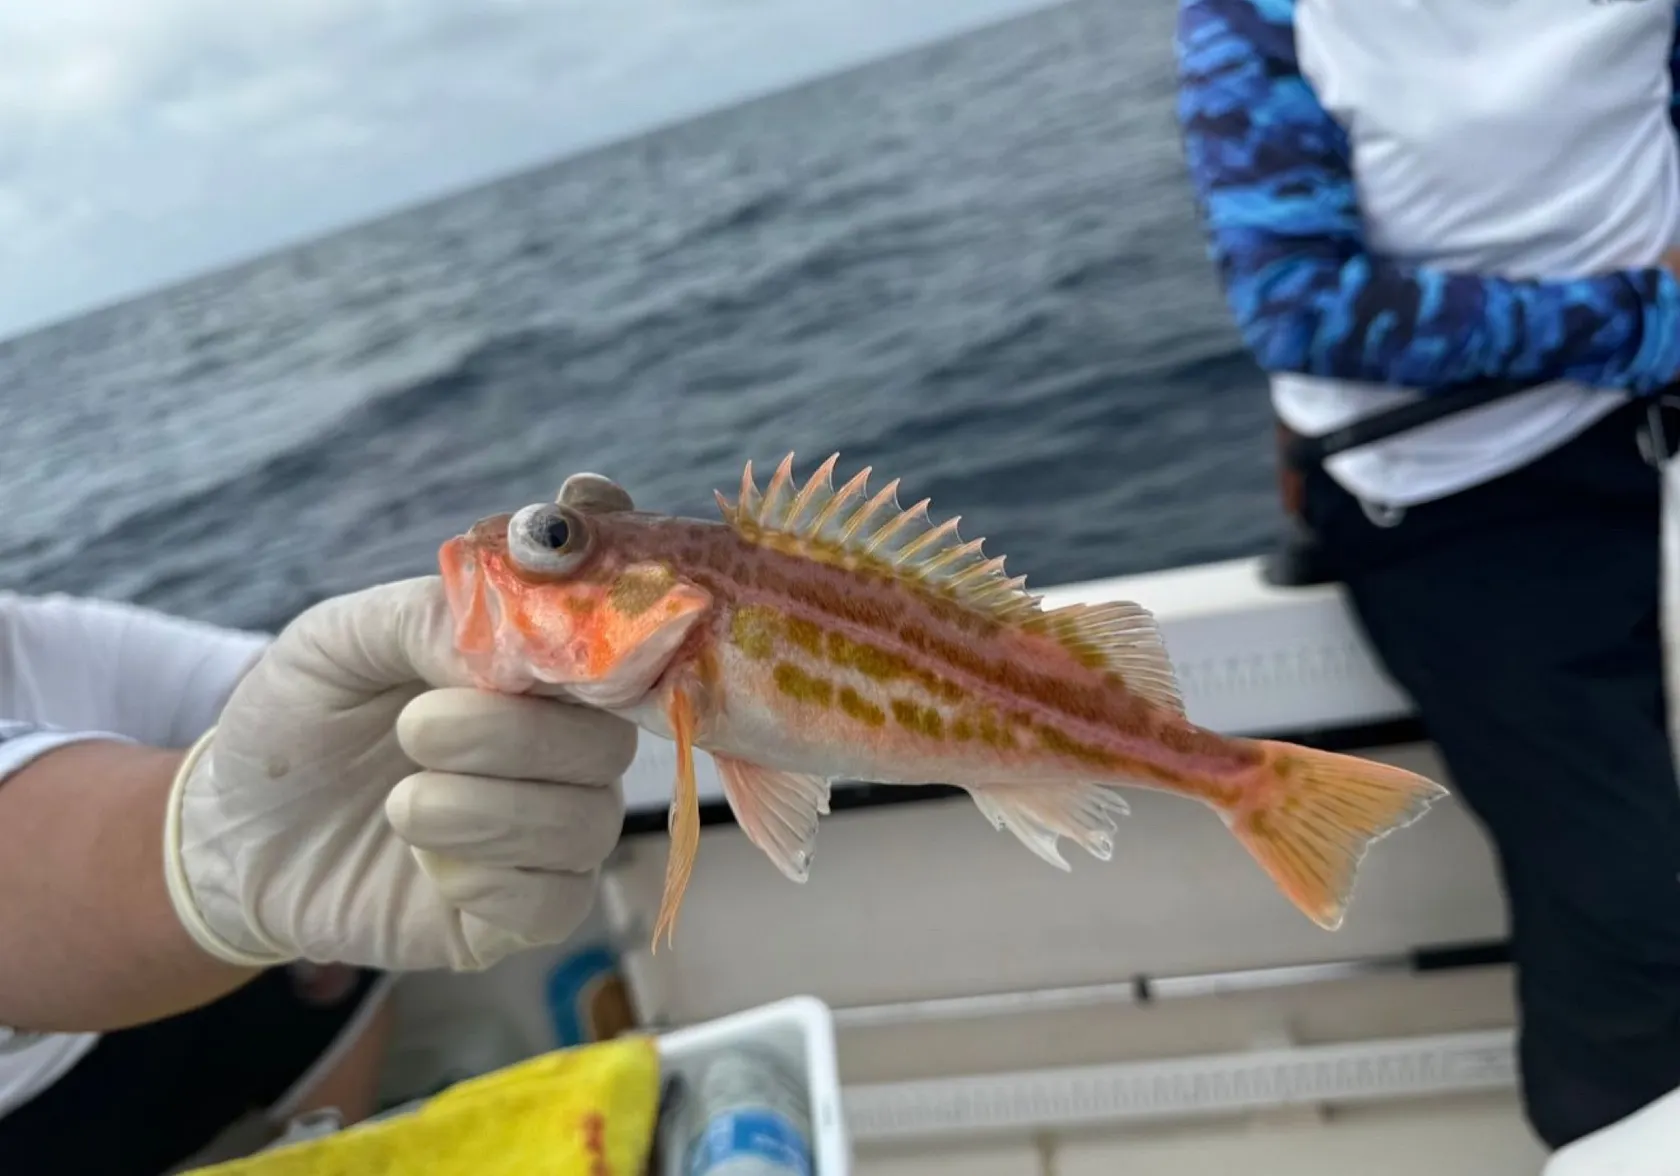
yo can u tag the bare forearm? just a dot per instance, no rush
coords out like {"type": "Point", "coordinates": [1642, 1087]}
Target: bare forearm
{"type": "Point", "coordinates": [88, 937]}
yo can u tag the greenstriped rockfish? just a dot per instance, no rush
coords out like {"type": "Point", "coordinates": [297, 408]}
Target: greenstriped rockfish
{"type": "Point", "coordinates": [818, 634]}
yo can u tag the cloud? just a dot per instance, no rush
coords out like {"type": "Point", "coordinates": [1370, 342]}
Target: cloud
{"type": "Point", "coordinates": [144, 141]}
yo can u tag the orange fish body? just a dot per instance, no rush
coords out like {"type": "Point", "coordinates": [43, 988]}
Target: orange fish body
{"type": "Point", "coordinates": [820, 634]}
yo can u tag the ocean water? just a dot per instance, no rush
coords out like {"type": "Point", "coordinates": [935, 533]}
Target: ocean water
{"type": "Point", "coordinates": [974, 267]}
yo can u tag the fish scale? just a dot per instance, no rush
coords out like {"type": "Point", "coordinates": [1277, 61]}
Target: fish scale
{"type": "Point", "coordinates": [818, 633]}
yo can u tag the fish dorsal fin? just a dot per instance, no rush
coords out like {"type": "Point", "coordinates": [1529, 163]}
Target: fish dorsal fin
{"type": "Point", "coordinates": [1118, 636]}
{"type": "Point", "coordinates": [853, 527]}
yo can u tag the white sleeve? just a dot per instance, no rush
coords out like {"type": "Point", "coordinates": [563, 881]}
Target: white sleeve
{"type": "Point", "coordinates": [99, 666]}
{"type": "Point", "coordinates": [22, 743]}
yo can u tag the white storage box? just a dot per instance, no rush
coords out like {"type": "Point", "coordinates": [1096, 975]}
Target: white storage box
{"type": "Point", "coordinates": [800, 1030]}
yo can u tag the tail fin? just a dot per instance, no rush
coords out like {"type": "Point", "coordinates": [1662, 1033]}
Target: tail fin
{"type": "Point", "coordinates": [1310, 827]}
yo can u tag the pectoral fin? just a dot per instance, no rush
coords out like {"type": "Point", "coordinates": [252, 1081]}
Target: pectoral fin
{"type": "Point", "coordinates": [684, 819]}
{"type": "Point", "coordinates": [777, 811]}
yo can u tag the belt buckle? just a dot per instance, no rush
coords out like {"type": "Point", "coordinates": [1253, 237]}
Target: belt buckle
{"type": "Point", "coordinates": [1652, 438]}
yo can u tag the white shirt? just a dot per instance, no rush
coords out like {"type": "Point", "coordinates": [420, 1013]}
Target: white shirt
{"type": "Point", "coordinates": [1500, 139]}
{"type": "Point", "coordinates": [73, 669]}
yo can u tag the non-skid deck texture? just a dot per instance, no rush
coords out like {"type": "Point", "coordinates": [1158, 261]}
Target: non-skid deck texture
{"type": "Point", "coordinates": [1481, 1136]}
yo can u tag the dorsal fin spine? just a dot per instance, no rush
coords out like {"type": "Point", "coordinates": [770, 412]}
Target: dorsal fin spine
{"type": "Point", "coordinates": [817, 484]}
{"type": "Point", "coordinates": [844, 495]}
{"type": "Point", "coordinates": [769, 509]}
{"type": "Point", "coordinates": [836, 525]}
{"type": "Point", "coordinates": [885, 495]}
{"type": "Point", "coordinates": [929, 539]}
{"type": "Point", "coordinates": [954, 555]}
{"type": "Point", "coordinates": [746, 506]}
{"type": "Point", "coordinates": [894, 526]}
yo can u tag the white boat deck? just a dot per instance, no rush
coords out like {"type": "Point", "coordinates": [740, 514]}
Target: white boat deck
{"type": "Point", "coordinates": [1477, 1137]}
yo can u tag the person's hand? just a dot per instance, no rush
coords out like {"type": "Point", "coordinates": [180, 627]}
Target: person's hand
{"type": "Point", "coordinates": [359, 802]}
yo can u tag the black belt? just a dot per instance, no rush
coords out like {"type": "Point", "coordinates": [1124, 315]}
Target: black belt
{"type": "Point", "coordinates": [1298, 560]}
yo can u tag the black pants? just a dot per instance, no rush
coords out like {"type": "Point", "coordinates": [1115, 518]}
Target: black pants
{"type": "Point", "coordinates": [147, 1098]}
{"type": "Point", "coordinates": [1522, 617]}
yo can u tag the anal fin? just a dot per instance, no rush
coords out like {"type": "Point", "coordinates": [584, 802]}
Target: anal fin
{"type": "Point", "coordinates": [777, 811]}
{"type": "Point", "coordinates": [684, 820]}
{"type": "Point", "coordinates": [1041, 814]}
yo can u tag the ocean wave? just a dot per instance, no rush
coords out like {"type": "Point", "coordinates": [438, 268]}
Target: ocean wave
{"type": "Point", "coordinates": [751, 211]}
{"type": "Point", "coordinates": [176, 516]}
{"type": "Point", "coordinates": [509, 376]}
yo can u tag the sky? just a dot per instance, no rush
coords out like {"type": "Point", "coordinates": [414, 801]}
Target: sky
{"type": "Point", "coordinates": [143, 141]}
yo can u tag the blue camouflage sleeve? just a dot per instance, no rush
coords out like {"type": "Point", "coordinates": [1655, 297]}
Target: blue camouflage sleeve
{"type": "Point", "coordinates": [1273, 181]}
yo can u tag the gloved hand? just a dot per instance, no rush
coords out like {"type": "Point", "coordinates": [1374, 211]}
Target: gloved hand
{"type": "Point", "coordinates": [359, 802]}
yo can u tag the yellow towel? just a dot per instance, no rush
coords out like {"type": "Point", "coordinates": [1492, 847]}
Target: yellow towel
{"type": "Point", "coordinates": [586, 1111]}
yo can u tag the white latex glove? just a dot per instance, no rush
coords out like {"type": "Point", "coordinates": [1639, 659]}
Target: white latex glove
{"type": "Point", "coordinates": [358, 802]}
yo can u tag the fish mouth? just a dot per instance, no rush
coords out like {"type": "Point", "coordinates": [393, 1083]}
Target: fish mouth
{"type": "Point", "coordinates": [474, 606]}
{"type": "Point", "coordinates": [462, 582]}
{"type": "Point", "coordinates": [495, 654]}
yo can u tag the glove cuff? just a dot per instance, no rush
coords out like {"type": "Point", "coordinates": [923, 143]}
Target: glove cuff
{"type": "Point", "coordinates": [180, 888]}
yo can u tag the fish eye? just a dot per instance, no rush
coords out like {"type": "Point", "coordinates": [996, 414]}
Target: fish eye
{"type": "Point", "coordinates": [555, 531]}
{"type": "Point", "coordinates": [547, 538]}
